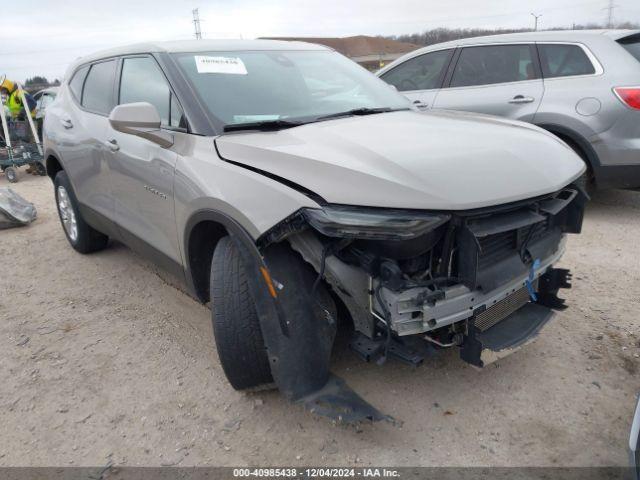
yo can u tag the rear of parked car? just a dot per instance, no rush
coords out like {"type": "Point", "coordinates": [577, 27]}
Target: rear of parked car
{"type": "Point", "coordinates": [583, 86]}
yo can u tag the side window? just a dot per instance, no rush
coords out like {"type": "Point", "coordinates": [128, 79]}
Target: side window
{"type": "Point", "coordinates": [143, 81]}
{"type": "Point", "coordinates": [493, 64]}
{"type": "Point", "coordinates": [564, 61]}
{"type": "Point", "coordinates": [45, 100]}
{"type": "Point", "coordinates": [419, 73]}
{"type": "Point", "coordinates": [97, 95]}
{"type": "Point", "coordinates": [75, 85]}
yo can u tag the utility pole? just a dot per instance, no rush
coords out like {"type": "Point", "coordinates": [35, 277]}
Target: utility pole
{"type": "Point", "coordinates": [610, 8]}
{"type": "Point", "coordinates": [196, 24]}
{"type": "Point", "coordinates": [535, 25]}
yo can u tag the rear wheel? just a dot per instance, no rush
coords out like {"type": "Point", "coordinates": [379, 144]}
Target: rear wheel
{"type": "Point", "coordinates": [236, 326]}
{"type": "Point", "coordinates": [40, 169]}
{"type": "Point", "coordinates": [81, 236]}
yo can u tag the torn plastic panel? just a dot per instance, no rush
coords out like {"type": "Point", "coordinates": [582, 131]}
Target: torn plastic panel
{"type": "Point", "coordinates": [298, 327]}
{"type": "Point", "coordinates": [15, 211]}
{"type": "Point", "coordinates": [550, 283]}
{"type": "Point", "coordinates": [337, 401]}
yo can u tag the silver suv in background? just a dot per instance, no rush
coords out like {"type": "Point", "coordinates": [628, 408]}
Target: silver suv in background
{"type": "Point", "coordinates": [583, 86]}
{"type": "Point", "coordinates": [293, 190]}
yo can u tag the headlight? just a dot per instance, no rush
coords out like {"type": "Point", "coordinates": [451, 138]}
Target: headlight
{"type": "Point", "coordinates": [371, 224]}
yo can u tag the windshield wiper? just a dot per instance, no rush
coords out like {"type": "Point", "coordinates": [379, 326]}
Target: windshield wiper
{"type": "Point", "coordinates": [360, 111]}
{"type": "Point", "coordinates": [262, 125]}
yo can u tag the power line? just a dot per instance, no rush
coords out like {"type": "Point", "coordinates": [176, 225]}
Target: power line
{"type": "Point", "coordinates": [196, 24]}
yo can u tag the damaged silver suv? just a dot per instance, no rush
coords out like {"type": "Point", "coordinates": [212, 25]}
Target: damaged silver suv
{"type": "Point", "coordinates": [294, 191]}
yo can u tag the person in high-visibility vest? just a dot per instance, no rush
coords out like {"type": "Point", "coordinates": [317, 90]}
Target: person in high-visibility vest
{"type": "Point", "coordinates": [13, 105]}
{"type": "Point", "coordinates": [14, 100]}
{"type": "Point", "coordinates": [17, 109]}
{"type": "Point", "coordinates": [6, 87]}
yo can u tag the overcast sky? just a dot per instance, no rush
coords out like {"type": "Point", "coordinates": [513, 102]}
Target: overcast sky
{"type": "Point", "coordinates": [44, 36]}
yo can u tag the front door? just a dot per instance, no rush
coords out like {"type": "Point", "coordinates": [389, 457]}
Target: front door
{"type": "Point", "coordinates": [142, 172]}
{"type": "Point", "coordinates": [501, 80]}
{"type": "Point", "coordinates": [420, 77]}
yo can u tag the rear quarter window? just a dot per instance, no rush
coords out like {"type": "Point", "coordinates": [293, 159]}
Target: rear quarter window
{"type": "Point", "coordinates": [97, 95]}
{"type": "Point", "coordinates": [632, 45]}
{"type": "Point", "coordinates": [75, 85]}
{"type": "Point", "coordinates": [564, 61]}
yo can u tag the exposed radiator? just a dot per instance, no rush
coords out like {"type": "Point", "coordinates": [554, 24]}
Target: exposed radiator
{"type": "Point", "coordinates": [502, 309]}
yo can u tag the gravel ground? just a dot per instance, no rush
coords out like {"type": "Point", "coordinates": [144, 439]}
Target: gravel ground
{"type": "Point", "coordinates": [102, 359]}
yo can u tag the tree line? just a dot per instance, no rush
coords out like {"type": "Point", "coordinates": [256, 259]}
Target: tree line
{"type": "Point", "coordinates": [443, 34]}
{"type": "Point", "coordinates": [38, 82]}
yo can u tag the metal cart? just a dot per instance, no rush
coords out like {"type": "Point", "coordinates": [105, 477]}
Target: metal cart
{"type": "Point", "coordinates": [19, 145]}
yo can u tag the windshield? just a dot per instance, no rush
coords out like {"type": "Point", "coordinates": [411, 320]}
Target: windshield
{"type": "Point", "coordinates": [263, 86]}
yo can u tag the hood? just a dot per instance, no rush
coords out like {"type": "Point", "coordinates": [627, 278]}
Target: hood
{"type": "Point", "coordinates": [438, 160]}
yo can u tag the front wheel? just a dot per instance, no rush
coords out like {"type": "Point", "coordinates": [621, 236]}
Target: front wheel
{"type": "Point", "coordinates": [81, 236]}
{"type": "Point", "coordinates": [236, 326]}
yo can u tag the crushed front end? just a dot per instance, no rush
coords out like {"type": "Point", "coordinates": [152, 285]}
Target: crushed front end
{"type": "Point", "coordinates": [413, 281]}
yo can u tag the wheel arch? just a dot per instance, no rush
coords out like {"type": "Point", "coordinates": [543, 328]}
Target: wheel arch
{"type": "Point", "coordinates": [203, 231]}
{"type": "Point", "coordinates": [53, 166]}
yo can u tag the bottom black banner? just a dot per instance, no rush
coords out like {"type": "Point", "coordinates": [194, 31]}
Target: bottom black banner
{"type": "Point", "coordinates": [110, 472]}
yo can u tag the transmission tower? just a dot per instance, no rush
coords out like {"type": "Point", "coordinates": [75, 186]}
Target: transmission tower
{"type": "Point", "coordinates": [196, 24]}
{"type": "Point", "coordinates": [610, 8]}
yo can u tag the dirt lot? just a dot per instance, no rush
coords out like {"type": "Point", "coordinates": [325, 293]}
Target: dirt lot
{"type": "Point", "coordinates": [101, 359]}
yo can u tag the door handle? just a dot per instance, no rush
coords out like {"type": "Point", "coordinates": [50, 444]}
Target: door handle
{"type": "Point", "coordinates": [420, 104]}
{"type": "Point", "coordinates": [518, 99]}
{"type": "Point", "coordinates": [66, 123]}
{"type": "Point", "coordinates": [113, 145]}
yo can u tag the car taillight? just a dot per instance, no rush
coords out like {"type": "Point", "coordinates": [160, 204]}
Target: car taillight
{"type": "Point", "coordinates": [629, 95]}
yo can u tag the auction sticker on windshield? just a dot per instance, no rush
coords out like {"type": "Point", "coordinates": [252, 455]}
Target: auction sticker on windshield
{"type": "Point", "coordinates": [228, 65]}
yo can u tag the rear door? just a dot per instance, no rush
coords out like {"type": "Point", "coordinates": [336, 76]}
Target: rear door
{"type": "Point", "coordinates": [142, 172]}
{"type": "Point", "coordinates": [499, 80]}
{"type": "Point", "coordinates": [82, 127]}
{"type": "Point", "coordinates": [419, 78]}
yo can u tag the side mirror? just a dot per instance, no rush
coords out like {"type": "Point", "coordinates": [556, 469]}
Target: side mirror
{"type": "Point", "coordinates": [142, 120]}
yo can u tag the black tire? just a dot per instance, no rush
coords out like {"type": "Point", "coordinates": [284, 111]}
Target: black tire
{"type": "Point", "coordinates": [88, 239]}
{"type": "Point", "coordinates": [236, 326]}
{"type": "Point", "coordinates": [11, 174]}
